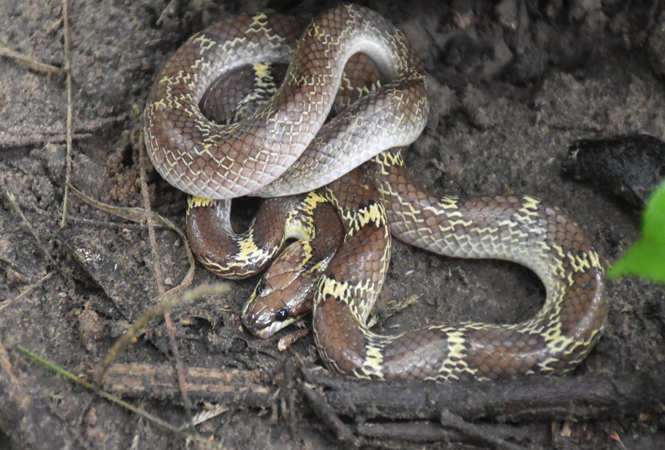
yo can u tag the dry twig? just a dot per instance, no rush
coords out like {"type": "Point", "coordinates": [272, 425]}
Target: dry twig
{"type": "Point", "coordinates": [530, 398]}
{"type": "Point", "coordinates": [180, 369]}
{"type": "Point", "coordinates": [68, 70]}
{"type": "Point", "coordinates": [26, 291]}
{"type": "Point", "coordinates": [110, 397]}
{"type": "Point", "coordinates": [26, 222]}
{"type": "Point", "coordinates": [29, 61]}
{"type": "Point", "coordinates": [230, 386]}
{"type": "Point", "coordinates": [47, 135]}
{"type": "Point", "coordinates": [169, 300]}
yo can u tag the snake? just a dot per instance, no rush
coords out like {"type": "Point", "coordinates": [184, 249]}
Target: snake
{"type": "Point", "coordinates": [351, 164]}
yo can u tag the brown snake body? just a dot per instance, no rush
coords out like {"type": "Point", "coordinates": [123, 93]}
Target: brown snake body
{"type": "Point", "coordinates": [222, 161]}
{"type": "Point", "coordinates": [206, 158]}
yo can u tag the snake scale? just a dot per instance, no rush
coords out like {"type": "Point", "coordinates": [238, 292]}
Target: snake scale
{"type": "Point", "coordinates": [288, 145]}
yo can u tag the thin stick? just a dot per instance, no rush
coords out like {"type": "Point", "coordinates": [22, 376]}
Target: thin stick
{"type": "Point", "coordinates": [68, 69]}
{"type": "Point", "coordinates": [17, 208]}
{"type": "Point", "coordinates": [245, 388]}
{"type": "Point", "coordinates": [171, 297]}
{"type": "Point", "coordinates": [529, 398]}
{"type": "Point", "coordinates": [46, 135]}
{"type": "Point", "coordinates": [23, 400]}
{"type": "Point", "coordinates": [26, 291]}
{"type": "Point", "coordinates": [327, 414]}
{"type": "Point", "coordinates": [29, 61]}
{"type": "Point", "coordinates": [9, 141]}
{"type": "Point", "coordinates": [180, 370]}
{"type": "Point", "coordinates": [137, 215]}
{"type": "Point", "coordinates": [166, 303]}
{"type": "Point", "coordinates": [480, 434]}
{"type": "Point", "coordinates": [110, 397]}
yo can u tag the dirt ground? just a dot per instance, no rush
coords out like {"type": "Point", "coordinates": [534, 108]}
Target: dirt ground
{"type": "Point", "coordinates": [513, 83]}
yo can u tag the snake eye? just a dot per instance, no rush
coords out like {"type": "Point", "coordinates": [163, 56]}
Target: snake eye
{"type": "Point", "coordinates": [282, 315]}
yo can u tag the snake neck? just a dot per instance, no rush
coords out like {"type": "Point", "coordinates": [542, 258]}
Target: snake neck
{"type": "Point", "coordinates": [241, 255]}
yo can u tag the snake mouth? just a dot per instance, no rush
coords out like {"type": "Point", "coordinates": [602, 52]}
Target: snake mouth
{"type": "Point", "coordinates": [274, 306]}
{"type": "Point", "coordinates": [268, 330]}
{"type": "Point", "coordinates": [264, 320]}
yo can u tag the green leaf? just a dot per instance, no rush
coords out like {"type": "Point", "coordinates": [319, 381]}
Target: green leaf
{"type": "Point", "coordinates": [646, 257]}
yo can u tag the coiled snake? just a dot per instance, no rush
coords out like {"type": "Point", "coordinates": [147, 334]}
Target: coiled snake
{"type": "Point", "coordinates": [286, 147]}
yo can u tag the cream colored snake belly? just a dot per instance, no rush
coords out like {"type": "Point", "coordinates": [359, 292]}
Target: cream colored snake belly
{"type": "Point", "coordinates": [288, 147]}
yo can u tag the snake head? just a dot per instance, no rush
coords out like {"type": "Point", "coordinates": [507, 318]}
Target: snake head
{"type": "Point", "coordinates": [283, 295]}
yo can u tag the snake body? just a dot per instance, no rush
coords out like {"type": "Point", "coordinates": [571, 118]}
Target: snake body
{"type": "Point", "coordinates": [222, 161]}
{"type": "Point", "coordinates": [213, 160]}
